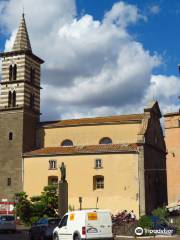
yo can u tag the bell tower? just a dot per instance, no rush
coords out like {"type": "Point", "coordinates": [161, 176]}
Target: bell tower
{"type": "Point", "coordinates": [19, 110]}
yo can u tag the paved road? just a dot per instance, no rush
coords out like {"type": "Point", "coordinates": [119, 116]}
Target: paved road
{"type": "Point", "coordinates": [23, 235]}
{"type": "Point", "coordinates": [20, 235]}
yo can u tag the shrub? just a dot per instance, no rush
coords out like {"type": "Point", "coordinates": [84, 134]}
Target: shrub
{"type": "Point", "coordinates": [160, 212]}
{"type": "Point", "coordinates": [71, 207]}
{"type": "Point", "coordinates": [145, 222]}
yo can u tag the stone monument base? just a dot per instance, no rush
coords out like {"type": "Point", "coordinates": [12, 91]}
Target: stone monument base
{"type": "Point", "coordinates": [62, 198]}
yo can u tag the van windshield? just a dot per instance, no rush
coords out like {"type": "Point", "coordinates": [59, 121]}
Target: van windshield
{"type": "Point", "coordinates": [7, 218]}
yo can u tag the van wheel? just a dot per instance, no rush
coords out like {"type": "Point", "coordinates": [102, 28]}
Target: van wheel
{"type": "Point", "coordinates": [76, 237]}
{"type": "Point", "coordinates": [55, 237]}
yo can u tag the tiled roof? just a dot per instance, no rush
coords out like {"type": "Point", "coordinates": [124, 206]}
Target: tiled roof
{"type": "Point", "coordinates": [91, 149]}
{"type": "Point", "coordinates": [94, 121]}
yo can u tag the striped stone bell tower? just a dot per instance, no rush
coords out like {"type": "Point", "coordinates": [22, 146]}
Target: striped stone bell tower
{"type": "Point", "coordinates": [19, 110]}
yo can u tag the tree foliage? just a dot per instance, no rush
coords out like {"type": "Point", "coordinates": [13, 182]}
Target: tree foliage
{"type": "Point", "coordinates": [160, 212]}
{"type": "Point", "coordinates": [145, 222]}
{"type": "Point", "coordinates": [45, 205]}
{"type": "Point", "coordinates": [23, 207]}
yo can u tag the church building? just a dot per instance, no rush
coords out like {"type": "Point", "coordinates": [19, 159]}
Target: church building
{"type": "Point", "coordinates": [112, 162]}
{"type": "Point", "coordinates": [172, 134]}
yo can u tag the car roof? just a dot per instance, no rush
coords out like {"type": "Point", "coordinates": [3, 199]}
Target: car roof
{"type": "Point", "coordinates": [88, 211]}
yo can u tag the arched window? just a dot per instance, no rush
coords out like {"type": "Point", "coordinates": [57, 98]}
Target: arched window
{"type": "Point", "coordinates": [32, 74]}
{"type": "Point", "coordinates": [31, 100]}
{"type": "Point", "coordinates": [9, 99]}
{"type": "Point", "coordinates": [14, 99]}
{"type": "Point", "coordinates": [52, 180]}
{"type": "Point", "coordinates": [98, 182]}
{"type": "Point", "coordinates": [15, 72]}
{"type": "Point", "coordinates": [10, 73]}
{"type": "Point", "coordinates": [105, 140]}
{"type": "Point", "coordinates": [67, 143]}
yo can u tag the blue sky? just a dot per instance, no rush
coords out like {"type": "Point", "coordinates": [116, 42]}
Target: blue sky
{"type": "Point", "coordinates": [102, 57]}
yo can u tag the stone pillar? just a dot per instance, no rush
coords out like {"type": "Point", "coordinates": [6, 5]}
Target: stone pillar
{"type": "Point", "coordinates": [142, 206]}
{"type": "Point", "coordinates": [62, 198]}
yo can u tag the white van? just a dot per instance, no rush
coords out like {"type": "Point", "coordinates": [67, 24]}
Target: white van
{"type": "Point", "coordinates": [84, 224]}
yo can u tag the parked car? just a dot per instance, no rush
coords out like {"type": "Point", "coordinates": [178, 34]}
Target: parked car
{"type": "Point", "coordinates": [84, 224]}
{"type": "Point", "coordinates": [43, 229]}
{"type": "Point", "coordinates": [7, 223]}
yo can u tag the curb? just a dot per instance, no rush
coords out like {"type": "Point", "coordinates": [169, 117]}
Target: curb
{"type": "Point", "coordinates": [157, 236]}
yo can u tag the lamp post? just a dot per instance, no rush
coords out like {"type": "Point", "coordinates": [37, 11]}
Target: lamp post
{"type": "Point", "coordinates": [80, 202]}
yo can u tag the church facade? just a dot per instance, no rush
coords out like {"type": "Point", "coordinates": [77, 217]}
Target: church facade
{"type": "Point", "coordinates": [115, 162]}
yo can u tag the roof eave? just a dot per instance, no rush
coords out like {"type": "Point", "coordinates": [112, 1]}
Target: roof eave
{"type": "Point", "coordinates": [79, 153]}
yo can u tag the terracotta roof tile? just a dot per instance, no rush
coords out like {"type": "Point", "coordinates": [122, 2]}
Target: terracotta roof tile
{"type": "Point", "coordinates": [92, 121]}
{"type": "Point", "coordinates": [97, 149]}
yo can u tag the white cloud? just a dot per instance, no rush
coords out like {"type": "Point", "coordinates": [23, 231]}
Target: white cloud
{"type": "Point", "coordinates": [123, 14]}
{"type": "Point", "coordinates": [166, 89]}
{"type": "Point", "coordinates": [154, 9]}
{"type": "Point", "coordinates": [92, 67]}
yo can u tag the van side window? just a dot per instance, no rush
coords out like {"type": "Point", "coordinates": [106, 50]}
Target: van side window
{"type": "Point", "coordinates": [63, 222]}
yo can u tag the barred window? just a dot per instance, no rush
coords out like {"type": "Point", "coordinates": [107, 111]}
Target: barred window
{"type": "Point", "coordinates": [9, 181]}
{"type": "Point", "coordinates": [52, 164]}
{"type": "Point", "coordinates": [98, 182]}
{"type": "Point", "coordinates": [98, 163]}
{"type": "Point", "coordinates": [12, 72]}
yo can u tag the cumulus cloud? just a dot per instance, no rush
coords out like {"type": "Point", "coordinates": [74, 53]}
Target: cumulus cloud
{"type": "Point", "coordinates": [92, 67]}
{"type": "Point", "coordinates": [164, 88]}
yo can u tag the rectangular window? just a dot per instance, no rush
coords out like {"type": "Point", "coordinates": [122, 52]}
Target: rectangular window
{"type": "Point", "coordinates": [98, 182]}
{"type": "Point", "coordinates": [52, 164]}
{"type": "Point", "coordinates": [98, 163]}
{"type": "Point", "coordinates": [9, 181]}
{"type": "Point", "coordinates": [52, 180]}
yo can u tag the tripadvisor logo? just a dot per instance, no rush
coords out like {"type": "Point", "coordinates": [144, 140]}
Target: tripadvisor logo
{"type": "Point", "coordinates": [139, 231]}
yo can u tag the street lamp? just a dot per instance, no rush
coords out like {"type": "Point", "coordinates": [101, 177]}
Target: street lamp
{"type": "Point", "coordinates": [80, 202]}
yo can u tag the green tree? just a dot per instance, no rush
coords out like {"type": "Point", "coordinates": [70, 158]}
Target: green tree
{"type": "Point", "coordinates": [23, 207]}
{"type": "Point", "coordinates": [45, 205]}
